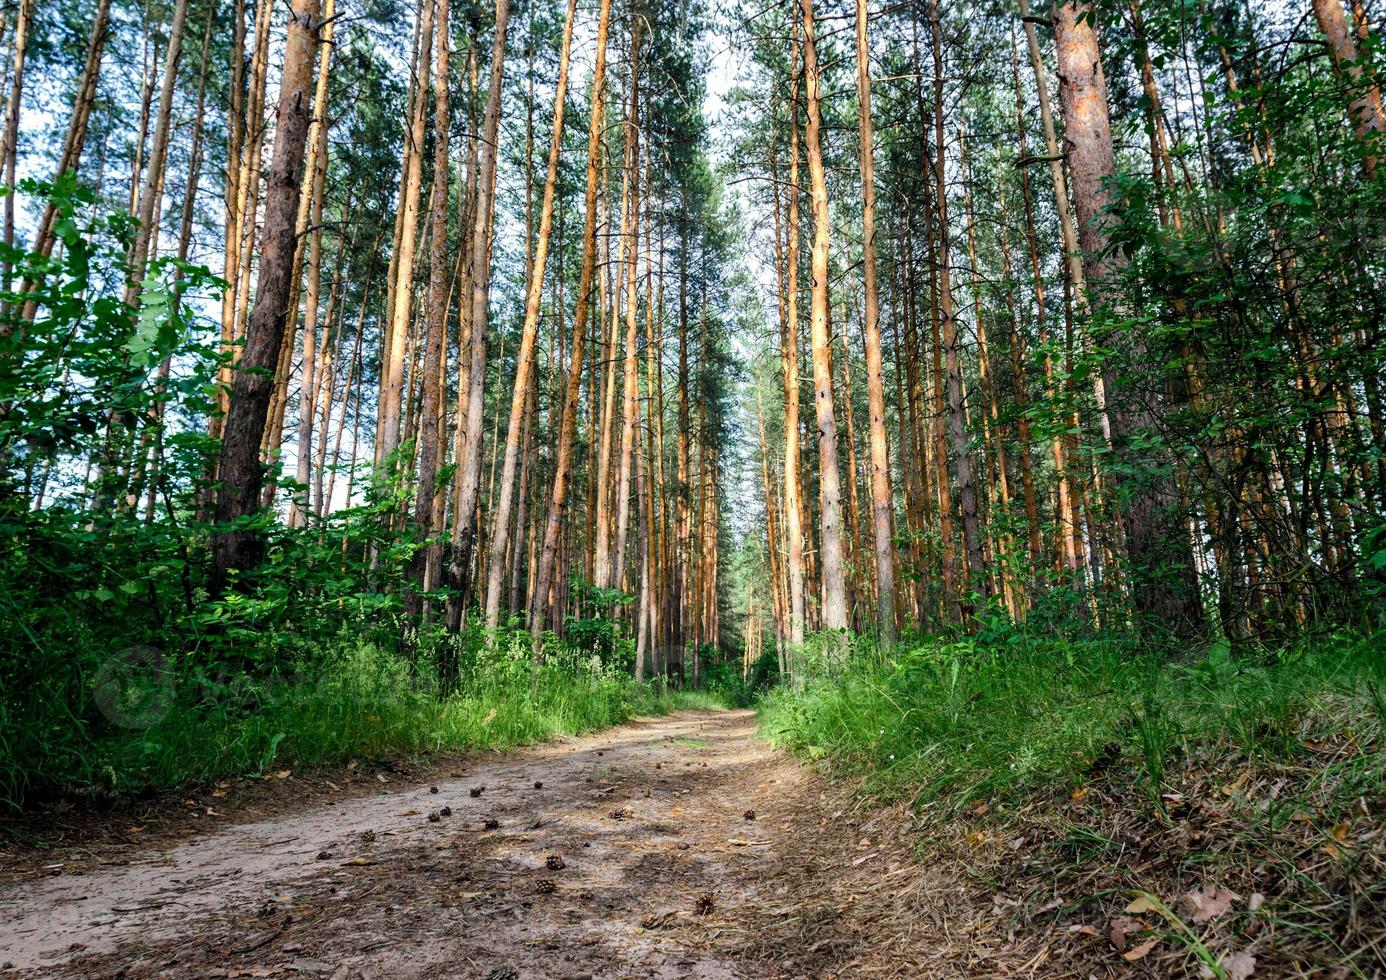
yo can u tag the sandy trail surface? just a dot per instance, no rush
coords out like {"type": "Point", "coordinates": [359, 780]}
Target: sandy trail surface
{"type": "Point", "coordinates": [682, 846]}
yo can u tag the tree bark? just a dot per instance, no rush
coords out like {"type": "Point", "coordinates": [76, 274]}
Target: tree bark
{"type": "Point", "coordinates": [402, 291]}
{"type": "Point", "coordinates": [882, 511]}
{"type": "Point", "coordinates": [239, 548]}
{"type": "Point", "coordinates": [957, 419]}
{"type": "Point", "coordinates": [500, 520]}
{"type": "Point", "coordinates": [563, 463]}
{"type": "Point", "coordinates": [1363, 95]}
{"type": "Point", "coordinates": [629, 413]}
{"type": "Point", "coordinates": [469, 466]}
{"type": "Point", "coordinates": [426, 562]}
{"type": "Point", "coordinates": [1166, 590]}
{"type": "Point", "coordinates": [829, 482]}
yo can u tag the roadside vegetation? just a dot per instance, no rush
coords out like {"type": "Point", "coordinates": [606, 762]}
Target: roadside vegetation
{"type": "Point", "coordinates": [1209, 811]}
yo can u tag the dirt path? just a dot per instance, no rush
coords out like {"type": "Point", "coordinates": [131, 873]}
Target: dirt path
{"type": "Point", "coordinates": [671, 847]}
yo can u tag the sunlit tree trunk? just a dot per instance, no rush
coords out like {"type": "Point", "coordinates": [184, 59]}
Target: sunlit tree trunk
{"type": "Point", "coordinates": [563, 459]}
{"type": "Point", "coordinates": [1066, 517]}
{"type": "Point", "coordinates": [73, 143]}
{"type": "Point", "coordinates": [393, 357]}
{"type": "Point", "coordinates": [630, 413]}
{"type": "Point", "coordinates": [426, 563]}
{"type": "Point", "coordinates": [830, 488]}
{"type": "Point", "coordinates": [789, 347]}
{"type": "Point", "coordinates": [9, 149]}
{"type": "Point", "coordinates": [1364, 94]}
{"type": "Point", "coordinates": [882, 513]}
{"type": "Point", "coordinates": [149, 197]}
{"type": "Point", "coordinates": [469, 465]}
{"type": "Point", "coordinates": [500, 521]}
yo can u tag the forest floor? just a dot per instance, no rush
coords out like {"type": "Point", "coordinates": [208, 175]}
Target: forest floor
{"type": "Point", "coordinates": [668, 847]}
{"type": "Point", "coordinates": [682, 846]}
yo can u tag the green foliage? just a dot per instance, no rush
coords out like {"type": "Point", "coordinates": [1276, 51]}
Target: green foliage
{"type": "Point", "coordinates": [77, 358]}
{"type": "Point", "coordinates": [955, 722]}
{"type": "Point", "coordinates": [348, 702]}
{"type": "Point", "coordinates": [118, 672]}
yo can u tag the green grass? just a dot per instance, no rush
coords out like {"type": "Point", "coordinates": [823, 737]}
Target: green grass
{"type": "Point", "coordinates": [952, 723]}
{"type": "Point", "coordinates": [354, 703]}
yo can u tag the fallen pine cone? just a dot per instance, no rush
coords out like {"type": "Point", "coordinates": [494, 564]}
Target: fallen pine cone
{"type": "Point", "coordinates": [433, 789]}
{"type": "Point", "coordinates": [554, 862]}
{"type": "Point", "coordinates": [434, 816]}
{"type": "Point", "coordinates": [545, 886]}
{"type": "Point", "coordinates": [491, 824]}
{"type": "Point", "coordinates": [622, 814]}
{"type": "Point", "coordinates": [446, 811]}
{"type": "Point", "coordinates": [705, 904]}
{"type": "Point", "coordinates": [538, 784]}
{"type": "Point", "coordinates": [475, 791]}
{"type": "Point", "coordinates": [749, 815]}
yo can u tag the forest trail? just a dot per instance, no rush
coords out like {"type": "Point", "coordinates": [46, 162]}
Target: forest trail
{"type": "Point", "coordinates": [685, 846]}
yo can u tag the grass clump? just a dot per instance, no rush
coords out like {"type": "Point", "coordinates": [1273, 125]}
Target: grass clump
{"type": "Point", "coordinates": [1198, 814]}
{"type": "Point", "coordinates": [951, 722]}
{"type": "Point", "coordinates": [154, 726]}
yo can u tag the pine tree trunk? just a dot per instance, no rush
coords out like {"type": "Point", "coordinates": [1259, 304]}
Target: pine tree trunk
{"type": "Point", "coordinates": [630, 409]}
{"type": "Point", "coordinates": [71, 157]}
{"type": "Point", "coordinates": [427, 560]}
{"type": "Point", "coordinates": [957, 420]}
{"type": "Point", "coordinates": [149, 196]}
{"type": "Point", "coordinates": [241, 549]}
{"type": "Point", "coordinates": [563, 462]}
{"type": "Point", "coordinates": [9, 149]}
{"type": "Point", "coordinates": [793, 464]}
{"type": "Point", "coordinates": [1166, 591]}
{"type": "Point", "coordinates": [469, 466]}
{"type": "Point", "coordinates": [830, 489]}
{"type": "Point", "coordinates": [316, 172]}
{"type": "Point", "coordinates": [1364, 94]}
{"type": "Point", "coordinates": [524, 364]}
{"type": "Point", "coordinates": [882, 511]}
{"type": "Point", "coordinates": [393, 357]}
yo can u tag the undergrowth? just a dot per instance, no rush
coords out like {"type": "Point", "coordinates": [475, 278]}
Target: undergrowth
{"type": "Point", "coordinates": [954, 722]}
{"type": "Point", "coordinates": [1103, 804]}
{"type": "Point", "coordinates": [154, 726]}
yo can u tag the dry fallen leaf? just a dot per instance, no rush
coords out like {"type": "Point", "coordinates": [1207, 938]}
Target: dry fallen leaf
{"type": "Point", "coordinates": [1240, 781]}
{"type": "Point", "coordinates": [1238, 966]}
{"type": "Point", "coordinates": [1131, 955]}
{"type": "Point", "coordinates": [1123, 927]}
{"type": "Point", "coordinates": [1143, 903]}
{"type": "Point", "coordinates": [1209, 901]}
